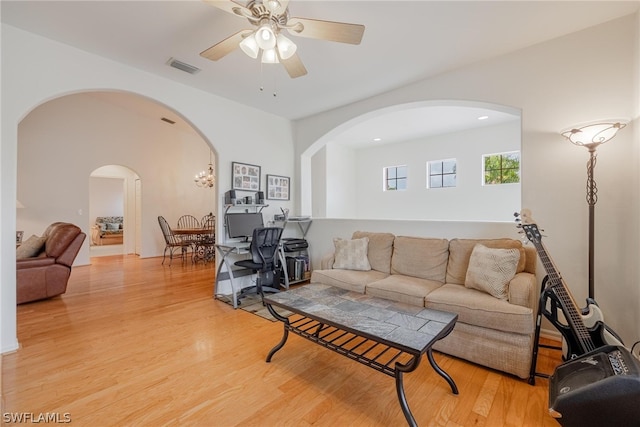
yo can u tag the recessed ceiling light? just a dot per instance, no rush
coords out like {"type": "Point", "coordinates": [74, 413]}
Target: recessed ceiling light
{"type": "Point", "coordinates": [377, 139]}
{"type": "Point", "coordinates": [483, 117]}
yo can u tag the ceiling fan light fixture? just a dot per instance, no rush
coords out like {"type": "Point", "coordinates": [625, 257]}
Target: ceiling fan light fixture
{"type": "Point", "coordinates": [286, 48]}
{"type": "Point", "coordinates": [269, 56]}
{"type": "Point", "coordinates": [250, 46]}
{"type": "Point", "coordinates": [265, 37]}
{"type": "Point", "coordinates": [272, 5]}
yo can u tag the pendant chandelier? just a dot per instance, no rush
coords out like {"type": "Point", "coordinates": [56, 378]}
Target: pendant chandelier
{"type": "Point", "coordinates": [206, 179]}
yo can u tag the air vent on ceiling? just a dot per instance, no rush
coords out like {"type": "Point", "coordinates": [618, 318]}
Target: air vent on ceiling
{"type": "Point", "coordinates": [171, 122]}
{"type": "Point", "coordinates": [182, 66]}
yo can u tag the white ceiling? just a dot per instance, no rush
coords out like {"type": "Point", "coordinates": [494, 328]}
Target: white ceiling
{"type": "Point", "coordinates": [404, 42]}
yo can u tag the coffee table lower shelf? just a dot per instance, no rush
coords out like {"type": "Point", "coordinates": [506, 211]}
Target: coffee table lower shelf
{"type": "Point", "coordinates": [376, 354]}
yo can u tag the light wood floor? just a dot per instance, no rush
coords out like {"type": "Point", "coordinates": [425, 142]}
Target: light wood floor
{"type": "Point", "coordinates": [133, 343]}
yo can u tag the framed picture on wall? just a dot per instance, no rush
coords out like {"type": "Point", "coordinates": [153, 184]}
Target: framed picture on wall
{"type": "Point", "coordinates": [245, 177]}
{"type": "Point", "coordinates": [278, 187]}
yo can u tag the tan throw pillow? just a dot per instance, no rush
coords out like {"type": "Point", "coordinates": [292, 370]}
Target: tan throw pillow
{"type": "Point", "coordinates": [351, 254]}
{"type": "Point", "coordinates": [491, 270]}
{"type": "Point", "coordinates": [30, 247]}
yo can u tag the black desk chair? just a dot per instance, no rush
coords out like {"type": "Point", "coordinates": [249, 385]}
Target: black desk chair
{"type": "Point", "coordinates": [264, 250]}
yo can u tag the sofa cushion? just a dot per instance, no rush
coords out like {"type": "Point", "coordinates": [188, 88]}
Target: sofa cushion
{"type": "Point", "coordinates": [490, 270]}
{"type": "Point", "coordinates": [425, 258]}
{"type": "Point", "coordinates": [380, 249]}
{"type": "Point", "coordinates": [405, 289]}
{"type": "Point", "coordinates": [460, 253]}
{"type": "Point", "coordinates": [30, 247]}
{"type": "Point", "coordinates": [351, 280]}
{"type": "Point", "coordinates": [481, 309]}
{"type": "Point", "coordinates": [351, 254]}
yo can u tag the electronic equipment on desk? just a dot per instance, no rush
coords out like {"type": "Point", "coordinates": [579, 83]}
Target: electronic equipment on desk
{"type": "Point", "coordinates": [293, 244]}
{"type": "Point", "coordinates": [241, 225]}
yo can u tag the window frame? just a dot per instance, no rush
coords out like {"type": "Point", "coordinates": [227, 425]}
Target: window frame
{"type": "Point", "coordinates": [442, 173]}
{"type": "Point", "coordinates": [502, 169]}
{"type": "Point", "coordinates": [386, 179]}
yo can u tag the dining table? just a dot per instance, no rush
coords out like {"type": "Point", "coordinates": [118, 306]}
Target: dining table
{"type": "Point", "coordinates": [203, 240]}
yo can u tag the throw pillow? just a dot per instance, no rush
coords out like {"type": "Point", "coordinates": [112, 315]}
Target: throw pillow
{"type": "Point", "coordinates": [113, 226]}
{"type": "Point", "coordinates": [490, 270]}
{"type": "Point", "coordinates": [351, 254]}
{"type": "Point", "coordinates": [30, 247]}
{"type": "Point", "coordinates": [103, 226]}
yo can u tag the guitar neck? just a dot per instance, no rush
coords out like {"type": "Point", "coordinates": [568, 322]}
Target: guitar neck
{"type": "Point", "coordinates": [569, 308]}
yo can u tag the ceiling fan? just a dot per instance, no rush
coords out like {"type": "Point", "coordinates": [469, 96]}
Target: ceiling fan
{"type": "Point", "coordinates": [270, 17]}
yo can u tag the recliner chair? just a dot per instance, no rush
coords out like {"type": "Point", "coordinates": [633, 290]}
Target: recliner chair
{"type": "Point", "coordinates": [264, 248]}
{"type": "Point", "coordinates": [46, 274]}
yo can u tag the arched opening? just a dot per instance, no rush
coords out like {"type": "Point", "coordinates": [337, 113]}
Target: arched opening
{"type": "Point", "coordinates": [343, 172]}
{"type": "Point", "coordinates": [113, 211]}
{"type": "Point", "coordinates": [71, 136]}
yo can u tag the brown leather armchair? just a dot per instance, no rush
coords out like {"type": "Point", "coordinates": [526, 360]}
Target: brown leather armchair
{"type": "Point", "coordinates": [46, 275]}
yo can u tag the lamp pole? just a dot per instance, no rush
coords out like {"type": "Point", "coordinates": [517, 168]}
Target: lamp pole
{"type": "Point", "coordinates": [592, 198]}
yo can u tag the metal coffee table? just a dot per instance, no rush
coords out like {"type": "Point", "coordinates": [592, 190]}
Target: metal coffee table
{"type": "Point", "coordinates": [384, 335]}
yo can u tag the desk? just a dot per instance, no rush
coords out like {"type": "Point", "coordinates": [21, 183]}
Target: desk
{"type": "Point", "coordinates": [202, 239]}
{"type": "Point", "coordinates": [226, 250]}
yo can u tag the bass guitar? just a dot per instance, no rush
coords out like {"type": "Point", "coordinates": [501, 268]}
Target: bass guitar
{"type": "Point", "coordinates": [582, 330]}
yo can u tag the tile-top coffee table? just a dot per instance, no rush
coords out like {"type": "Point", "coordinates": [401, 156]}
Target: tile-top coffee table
{"type": "Point", "coordinates": [387, 336]}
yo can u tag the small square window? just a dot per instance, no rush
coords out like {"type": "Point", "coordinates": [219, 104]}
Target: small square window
{"type": "Point", "coordinates": [441, 173]}
{"type": "Point", "coordinates": [501, 168]}
{"type": "Point", "coordinates": [395, 178]}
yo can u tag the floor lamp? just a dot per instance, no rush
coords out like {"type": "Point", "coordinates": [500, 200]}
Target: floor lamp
{"type": "Point", "coordinates": [591, 136]}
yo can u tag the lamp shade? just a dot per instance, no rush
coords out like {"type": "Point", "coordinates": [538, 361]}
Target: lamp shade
{"type": "Point", "coordinates": [265, 37]}
{"type": "Point", "coordinates": [269, 56]}
{"type": "Point", "coordinates": [592, 135]}
{"type": "Point", "coordinates": [286, 48]}
{"type": "Point", "coordinates": [250, 46]}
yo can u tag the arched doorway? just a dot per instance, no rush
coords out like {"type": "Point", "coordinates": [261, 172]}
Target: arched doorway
{"type": "Point", "coordinates": [113, 193]}
{"type": "Point", "coordinates": [117, 128]}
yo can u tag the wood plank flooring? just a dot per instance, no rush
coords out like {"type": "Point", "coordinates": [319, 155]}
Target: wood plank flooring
{"type": "Point", "coordinates": [135, 343]}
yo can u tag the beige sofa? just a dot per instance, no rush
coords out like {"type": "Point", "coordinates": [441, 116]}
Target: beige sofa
{"type": "Point", "coordinates": [429, 272]}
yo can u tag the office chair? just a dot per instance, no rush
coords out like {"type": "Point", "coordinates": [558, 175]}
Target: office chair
{"type": "Point", "coordinates": [264, 250]}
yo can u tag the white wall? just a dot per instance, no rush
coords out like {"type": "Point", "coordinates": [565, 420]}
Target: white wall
{"type": "Point", "coordinates": [106, 197]}
{"type": "Point", "coordinates": [36, 70]}
{"type": "Point", "coordinates": [342, 178]}
{"type": "Point", "coordinates": [583, 76]}
{"type": "Point", "coordinates": [468, 201]}
{"type": "Point", "coordinates": [318, 195]}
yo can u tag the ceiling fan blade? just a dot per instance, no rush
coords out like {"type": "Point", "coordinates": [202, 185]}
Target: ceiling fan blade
{"type": "Point", "coordinates": [294, 66]}
{"type": "Point", "coordinates": [226, 46]}
{"type": "Point", "coordinates": [230, 6]}
{"type": "Point", "coordinates": [326, 30]}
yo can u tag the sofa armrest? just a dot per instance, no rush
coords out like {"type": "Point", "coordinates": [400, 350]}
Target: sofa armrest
{"type": "Point", "coordinates": [523, 291]}
{"type": "Point", "coordinates": [25, 263]}
{"type": "Point", "coordinates": [326, 263]}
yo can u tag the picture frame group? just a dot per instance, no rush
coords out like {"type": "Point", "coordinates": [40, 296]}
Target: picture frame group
{"type": "Point", "coordinates": [245, 176]}
{"type": "Point", "coordinates": [278, 187]}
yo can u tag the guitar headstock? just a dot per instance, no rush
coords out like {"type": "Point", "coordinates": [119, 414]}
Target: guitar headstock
{"type": "Point", "coordinates": [528, 225]}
